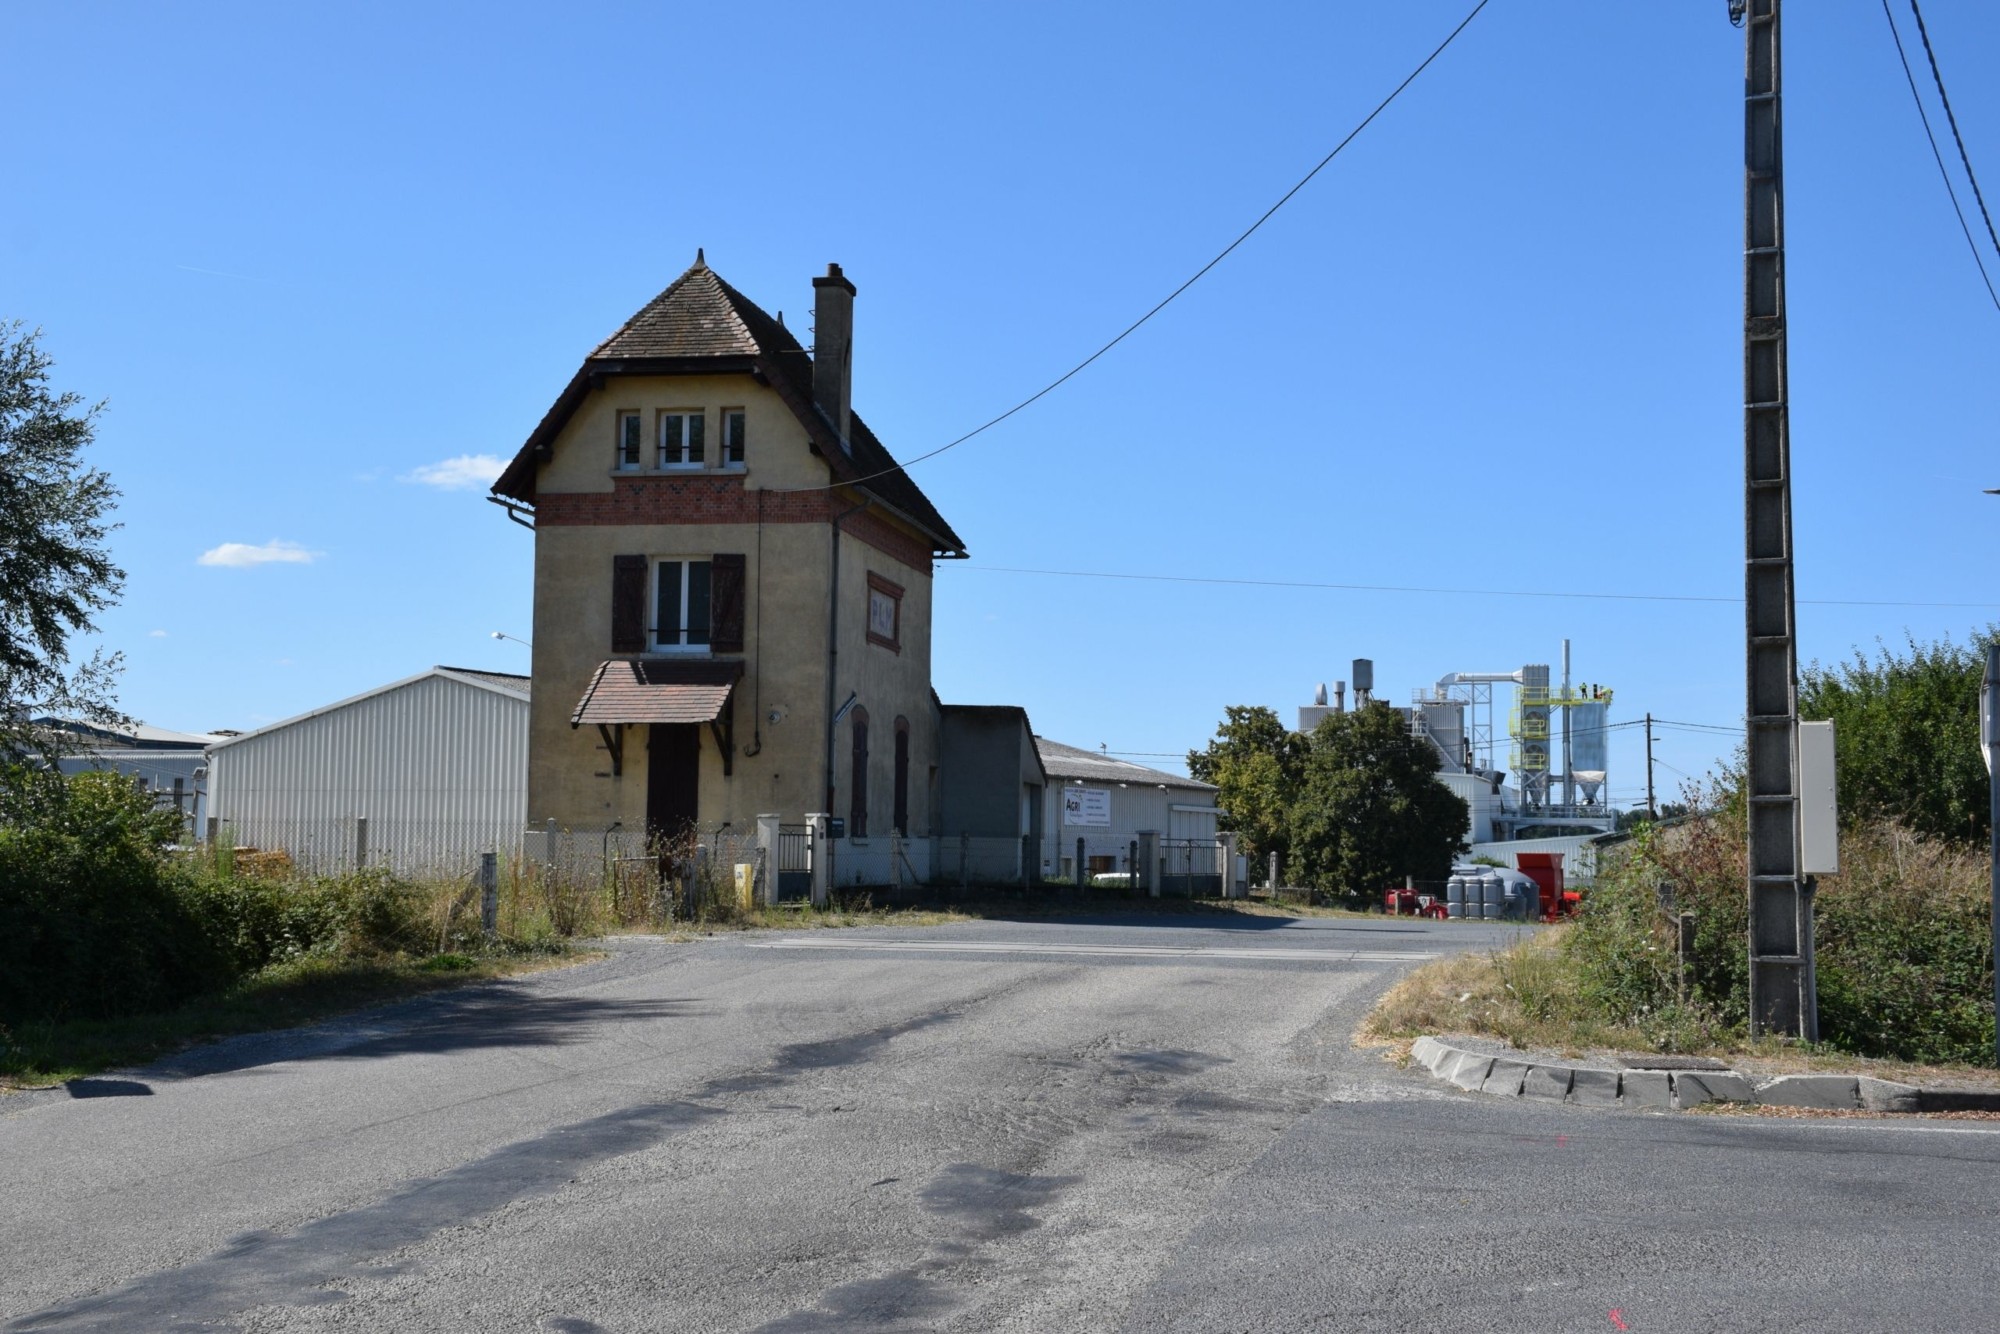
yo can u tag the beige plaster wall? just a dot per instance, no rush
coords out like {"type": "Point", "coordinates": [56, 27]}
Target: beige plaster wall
{"type": "Point", "coordinates": [889, 683]}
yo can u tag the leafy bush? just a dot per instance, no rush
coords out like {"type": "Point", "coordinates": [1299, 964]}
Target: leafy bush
{"type": "Point", "coordinates": [1908, 727]}
{"type": "Point", "coordinates": [91, 925]}
{"type": "Point", "coordinates": [100, 919]}
{"type": "Point", "coordinates": [1903, 943]}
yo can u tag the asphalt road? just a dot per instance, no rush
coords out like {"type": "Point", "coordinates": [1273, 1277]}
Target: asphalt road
{"type": "Point", "coordinates": [1143, 1124]}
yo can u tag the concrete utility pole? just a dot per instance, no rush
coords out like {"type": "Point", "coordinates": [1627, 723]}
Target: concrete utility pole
{"type": "Point", "coordinates": [1652, 811]}
{"type": "Point", "coordinates": [1781, 983]}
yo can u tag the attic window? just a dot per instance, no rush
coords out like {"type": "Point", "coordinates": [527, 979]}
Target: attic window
{"type": "Point", "coordinates": [734, 428]}
{"type": "Point", "coordinates": [628, 442]}
{"type": "Point", "coordinates": [682, 443]}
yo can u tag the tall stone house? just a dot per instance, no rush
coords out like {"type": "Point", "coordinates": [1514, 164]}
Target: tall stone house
{"type": "Point", "coordinates": [732, 607]}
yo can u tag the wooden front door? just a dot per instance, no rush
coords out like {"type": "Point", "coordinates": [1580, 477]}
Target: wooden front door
{"type": "Point", "coordinates": [673, 777]}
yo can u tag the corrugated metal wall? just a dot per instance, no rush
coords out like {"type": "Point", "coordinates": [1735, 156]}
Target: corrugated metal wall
{"type": "Point", "coordinates": [439, 767]}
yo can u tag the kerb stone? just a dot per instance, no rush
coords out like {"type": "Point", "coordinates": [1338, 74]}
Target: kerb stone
{"type": "Point", "coordinates": [1470, 1070]}
{"type": "Point", "coordinates": [1593, 1088]}
{"type": "Point", "coordinates": [1826, 1092]}
{"type": "Point", "coordinates": [1504, 1079]}
{"type": "Point", "coordinates": [1958, 1099]}
{"type": "Point", "coordinates": [1550, 1082]}
{"type": "Point", "coordinates": [1692, 1088]}
{"type": "Point", "coordinates": [1647, 1088]}
{"type": "Point", "coordinates": [1427, 1052]}
{"type": "Point", "coordinates": [1886, 1095]}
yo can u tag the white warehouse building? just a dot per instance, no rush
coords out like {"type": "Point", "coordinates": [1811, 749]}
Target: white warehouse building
{"type": "Point", "coordinates": [1108, 803]}
{"type": "Point", "coordinates": [421, 775]}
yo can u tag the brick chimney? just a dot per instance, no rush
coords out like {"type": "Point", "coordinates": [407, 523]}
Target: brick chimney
{"type": "Point", "coordinates": [833, 348]}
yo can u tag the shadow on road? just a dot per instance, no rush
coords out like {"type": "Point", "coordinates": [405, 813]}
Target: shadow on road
{"type": "Point", "coordinates": [485, 1017]}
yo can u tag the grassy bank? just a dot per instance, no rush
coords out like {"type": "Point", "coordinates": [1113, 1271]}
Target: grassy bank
{"type": "Point", "coordinates": [1904, 958]}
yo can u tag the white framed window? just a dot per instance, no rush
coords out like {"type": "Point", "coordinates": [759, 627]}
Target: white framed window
{"type": "Point", "coordinates": [735, 428]}
{"type": "Point", "coordinates": [682, 443]}
{"type": "Point", "coordinates": [629, 442]}
{"type": "Point", "coordinates": [681, 604]}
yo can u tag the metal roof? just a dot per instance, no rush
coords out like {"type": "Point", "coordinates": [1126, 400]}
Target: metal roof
{"type": "Point", "coordinates": [1070, 762]}
{"type": "Point", "coordinates": [498, 682]}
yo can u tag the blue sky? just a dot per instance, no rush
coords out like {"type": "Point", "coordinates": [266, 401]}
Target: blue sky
{"type": "Point", "coordinates": [310, 253]}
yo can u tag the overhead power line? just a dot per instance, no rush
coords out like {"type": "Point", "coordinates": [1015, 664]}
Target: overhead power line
{"type": "Point", "coordinates": [1199, 274]}
{"type": "Point", "coordinates": [1951, 119]}
{"type": "Point", "coordinates": [1937, 153]}
{"type": "Point", "coordinates": [1470, 592]}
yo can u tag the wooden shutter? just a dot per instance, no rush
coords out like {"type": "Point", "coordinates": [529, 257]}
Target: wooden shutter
{"type": "Point", "coordinates": [725, 607]}
{"type": "Point", "coordinates": [628, 604]}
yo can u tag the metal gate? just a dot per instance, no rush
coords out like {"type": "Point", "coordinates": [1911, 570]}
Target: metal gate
{"type": "Point", "coordinates": [1191, 867]}
{"type": "Point", "coordinates": [794, 861]}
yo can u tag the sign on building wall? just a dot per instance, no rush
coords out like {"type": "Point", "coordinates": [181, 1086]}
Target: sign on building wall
{"type": "Point", "coordinates": [1087, 806]}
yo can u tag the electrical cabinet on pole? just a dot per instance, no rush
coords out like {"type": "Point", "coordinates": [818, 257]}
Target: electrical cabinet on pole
{"type": "Point", "coordinates": [1782, 993]}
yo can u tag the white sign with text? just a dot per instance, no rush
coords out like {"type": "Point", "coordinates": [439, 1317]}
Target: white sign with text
{"type": "Point", "coordinates": [1087, 806]}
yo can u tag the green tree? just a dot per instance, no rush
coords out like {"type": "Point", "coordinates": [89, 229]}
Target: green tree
{"type": "Point", "coordinates": [53, 562]}
{"type": "Point", "coordinates": [1906, 734]}
{"type": "Point", "coordinates": [1369, 808]}
{"type": "Point", "coordinates": [1256, 761]}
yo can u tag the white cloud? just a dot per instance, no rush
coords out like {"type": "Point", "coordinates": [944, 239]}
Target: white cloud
{"type": "Point", "coordinates": [156, 634]}
{"type": "Point", "coordinates": [241, 555]}
{"type": "Point", "coordinates": [467, 472]}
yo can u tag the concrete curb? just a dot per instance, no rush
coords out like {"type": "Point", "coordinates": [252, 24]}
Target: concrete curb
{"type": "Point", "coordinates": [1678, 1090]}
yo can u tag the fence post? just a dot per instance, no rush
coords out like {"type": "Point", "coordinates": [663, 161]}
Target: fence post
{"type": "Point", "coordinates": [1081, 874]}
{"type": "Point", "coordinates": [1149, 858]}
{"type": "Point", "coordinates": [1228, 845]}
{"type": "Point", "coordinates": [767, 858]}
{"type": "Point", "coordinates": [819, 854]}
{"type": "Point", "coordinates": [489, 893]}
{"type": "Point", "coordinates": [549, 842]}
{"type": "Point", "coordinates": [360, 842]}
{"type": "Point", "coordinates": [214, 829]}
{"type": "Point", "coordinates": [964, 856]}
{"type": "Point", "coordinates": [1027, 858]}
{"type": "Point", "coordinates": [895, 864]}
{"type": "Point", "coordinates": [1273, 886]}
{"type": "Point", "coordinates": [1132, 865]}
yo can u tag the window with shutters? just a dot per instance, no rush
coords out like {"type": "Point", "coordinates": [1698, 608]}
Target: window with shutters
{"type": "Point", "coordinates": [681, 604]}
{"type": "Point", "coordinates": [727, 584]}
{"type": "Point", "coordinates": [857, 804]}
{"type": "Point", "coordinates": [682, 443]}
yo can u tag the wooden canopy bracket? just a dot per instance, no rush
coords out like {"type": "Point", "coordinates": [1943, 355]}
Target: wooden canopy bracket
{"type": "Point", "coordinates": [614, 741]}
{"type": "Point", "coordinates": [724, 727]}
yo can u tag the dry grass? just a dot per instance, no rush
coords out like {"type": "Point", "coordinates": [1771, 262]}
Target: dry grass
{"type": "Point", "coordinates": [1525, 996]}
{"type": "Point", "coordinates": [1521, 995]}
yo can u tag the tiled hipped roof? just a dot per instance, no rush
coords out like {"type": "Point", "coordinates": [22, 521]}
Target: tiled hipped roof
{"type": "Point", "coordinates": [701, 323]}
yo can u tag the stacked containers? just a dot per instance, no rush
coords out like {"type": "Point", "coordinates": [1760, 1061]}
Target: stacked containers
{"type": "Point", "coordinates": [1493, 896]}
{"type": "Point", "coordinates": [1454, 896]}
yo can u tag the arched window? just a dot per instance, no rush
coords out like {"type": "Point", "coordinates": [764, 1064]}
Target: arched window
{"type": "Point", "coordinates": [903, 777]}
{"type": "Point", "coordinates": [857, 808]}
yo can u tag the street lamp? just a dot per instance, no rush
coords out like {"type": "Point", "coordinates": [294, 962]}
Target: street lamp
{"type": "Point", "coordinates": [502, 634]}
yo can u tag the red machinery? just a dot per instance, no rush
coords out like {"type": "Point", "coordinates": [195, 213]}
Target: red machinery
{"type": "Point", "coordinates": [1399, 901]}
{"type": "Point", "coordinates": [1546, 870]}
